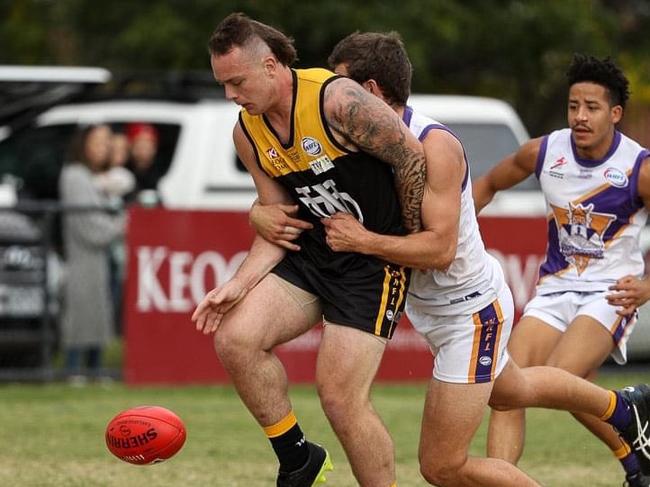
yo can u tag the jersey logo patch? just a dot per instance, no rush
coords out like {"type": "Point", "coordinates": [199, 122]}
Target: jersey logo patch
{"type": "Point", "coordinates": [311, 146]}
{"type": "Point", "coordinates": [561, 161]}
{"type": "Point", "coordinates": [555, 170]}
{"type": "Point", "coordinates": [321, 165]}
{"type": "Point", "coordinates": [580, 233]}
{"type": "Point", "coordinates": [276, 159]}
{"type": "Point", "coordinates": [616, 177]}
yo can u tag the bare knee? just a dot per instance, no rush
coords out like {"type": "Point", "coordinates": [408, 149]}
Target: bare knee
{"type": "Point", "coordinates": [515, 388]}
{"type": "Point", "coordinates": [442, 473]}
{"type": "Point", "coordinates": [234, 345]}
{"type": "Point", "coordinates": [340, 404]}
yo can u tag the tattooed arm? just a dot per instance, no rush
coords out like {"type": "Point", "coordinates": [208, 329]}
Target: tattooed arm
{"type": "Point", "coordinates": [435, 246]}
{"type": "Point", "coordinates": [373, 127]}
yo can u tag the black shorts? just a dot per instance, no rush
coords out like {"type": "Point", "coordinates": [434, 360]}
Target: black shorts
{"type": "Point", "coordinates": [369, 295]}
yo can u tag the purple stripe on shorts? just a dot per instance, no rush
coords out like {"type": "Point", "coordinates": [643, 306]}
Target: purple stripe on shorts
{"type": "Point", "coordinates": [626, 321]}
{"type": "Point", "coordinates": [490, 324]}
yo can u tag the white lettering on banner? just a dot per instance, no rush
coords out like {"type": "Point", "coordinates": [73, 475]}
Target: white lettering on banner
{"type": "Point", "coordinates": [150, 294]}
{"type": "Point", "coordinates": [521, 278]}
{"type": "Point", "coordinates": [179, 280]}
{"type": "Point", "coordinates": [222, 269]}
{"type": "Point", "coordinates": [187, 276]}
{"type": "Point", "coordinates": [186, 273]}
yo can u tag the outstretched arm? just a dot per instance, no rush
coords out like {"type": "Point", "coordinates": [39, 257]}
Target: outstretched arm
{"type": "Point", "coordinates": [374, 127]}
{"type": "Point", "coordinates": [509, 171]}
{"type": "Point", "coordinates": [263, 255]}
{"type": "Point", "coordinates": [435, 246]}
{"type": "Point", "coordinates": [261, 258]}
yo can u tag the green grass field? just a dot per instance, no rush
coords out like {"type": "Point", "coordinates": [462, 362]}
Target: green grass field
{"type": "Point", "coordinates": [52, 435]}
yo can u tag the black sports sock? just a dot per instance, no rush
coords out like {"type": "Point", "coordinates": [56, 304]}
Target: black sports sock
{"type": "Point", "coordinates": [288, 442]}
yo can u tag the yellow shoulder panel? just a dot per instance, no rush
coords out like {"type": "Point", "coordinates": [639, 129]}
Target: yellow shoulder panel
{"type": "Point", "coordinates": [310, 145]}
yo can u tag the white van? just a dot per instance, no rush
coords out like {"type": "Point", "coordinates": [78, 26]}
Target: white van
{"type": "Point", "coordinates": [197, 154]}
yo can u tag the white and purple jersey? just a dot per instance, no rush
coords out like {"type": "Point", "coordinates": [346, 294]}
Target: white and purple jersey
{"type": "Point", "coordinates": [474, 278]}
{"type": "Point", "coordinates": [594, 213]}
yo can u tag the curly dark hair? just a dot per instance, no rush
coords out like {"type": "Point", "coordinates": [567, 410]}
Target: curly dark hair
{"type": "Point", "coordinates": [603, 72]}
{"type": "Point", "coordinates": [378, 56]}
{"type": "Point", "coordinates": [238, 29]}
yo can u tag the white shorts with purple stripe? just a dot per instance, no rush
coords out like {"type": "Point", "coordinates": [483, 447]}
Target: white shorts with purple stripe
{"type": "Point", "coordinates": [468, 348]}
{"type": "Point", "coordinates": [560, 309]}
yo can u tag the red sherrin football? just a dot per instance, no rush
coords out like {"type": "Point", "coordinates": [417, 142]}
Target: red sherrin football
{"type": "Point", "coordinates": [145, 434]}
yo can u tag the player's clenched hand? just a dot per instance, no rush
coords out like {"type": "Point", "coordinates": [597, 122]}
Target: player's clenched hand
{"type": "Point", "coordinates": [629, 293]}
{"type": "Point", "coordinates": [276, 223]}
{"type": "Point", "coordinates": [344, 233]}
{"type": "Point", "coordinates": [208, 314]}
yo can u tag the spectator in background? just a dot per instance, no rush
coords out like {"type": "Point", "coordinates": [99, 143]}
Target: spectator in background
{"type": "Point", "coordinates": [87, 323]}
{"type": "Point", "coordinates": [120, 149]}
{"type": "Point", "coordinates": [143, 138]}
{"type": "Point", "coordinates": [117, 183]}
{"type": "Point", "coordinates": [115, 180]}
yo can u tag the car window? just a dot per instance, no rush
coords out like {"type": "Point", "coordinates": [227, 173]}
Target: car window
{"type": "Point", "coordinates": [34, 156]}
{"type": "Point", "coordinates": [168, 134]}
{"type": "Point", "coordinates": [485, 145]}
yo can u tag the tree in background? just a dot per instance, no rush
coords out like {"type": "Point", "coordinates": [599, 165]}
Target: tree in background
{"type": "Point", "coordinates": [511, 49]}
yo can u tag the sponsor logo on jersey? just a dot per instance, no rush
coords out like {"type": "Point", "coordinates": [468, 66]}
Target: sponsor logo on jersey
{"type": "Point", "coordinates": [561, 161]}
{"type": "Point", "coordinates": [389, 314]}
{"type": "Point", "coordinates": [616, 177]}
{"type": "Point", "coordinates": [556, 168]}
{"type": "Point", "coordinates": [585, 173]}
{"type": "Point", "coordinates": [321, 165]}
{"type": "Point", "coordinates": [276, 159]}
{"type": "Point", "coordinates": [294, 155]}
{"type": "Point", "coordinates": [311, 146]}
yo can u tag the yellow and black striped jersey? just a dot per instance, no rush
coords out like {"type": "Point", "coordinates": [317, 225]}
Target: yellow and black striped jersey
{"type": "Point", "coordinates": [318, 172]}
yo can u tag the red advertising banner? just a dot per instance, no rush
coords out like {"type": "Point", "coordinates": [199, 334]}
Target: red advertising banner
{"type": "Point", "coordinates": [175, 257]}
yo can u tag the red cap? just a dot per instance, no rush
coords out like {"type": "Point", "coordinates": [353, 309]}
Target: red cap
{"type": "Point", "coordinates": [134, 130]}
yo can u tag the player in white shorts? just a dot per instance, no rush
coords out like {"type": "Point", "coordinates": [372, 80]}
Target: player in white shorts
{"type": "Point", "coordinates": [457, 298]}
{"type": "Point", "coordinates": [596, 182]}
{"type": "Point", "coordinates": [464, 311]}
{"type": "Point", "coordinates": [559, 309]}
{"type": "Point", "coordinates": [469, 347]}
